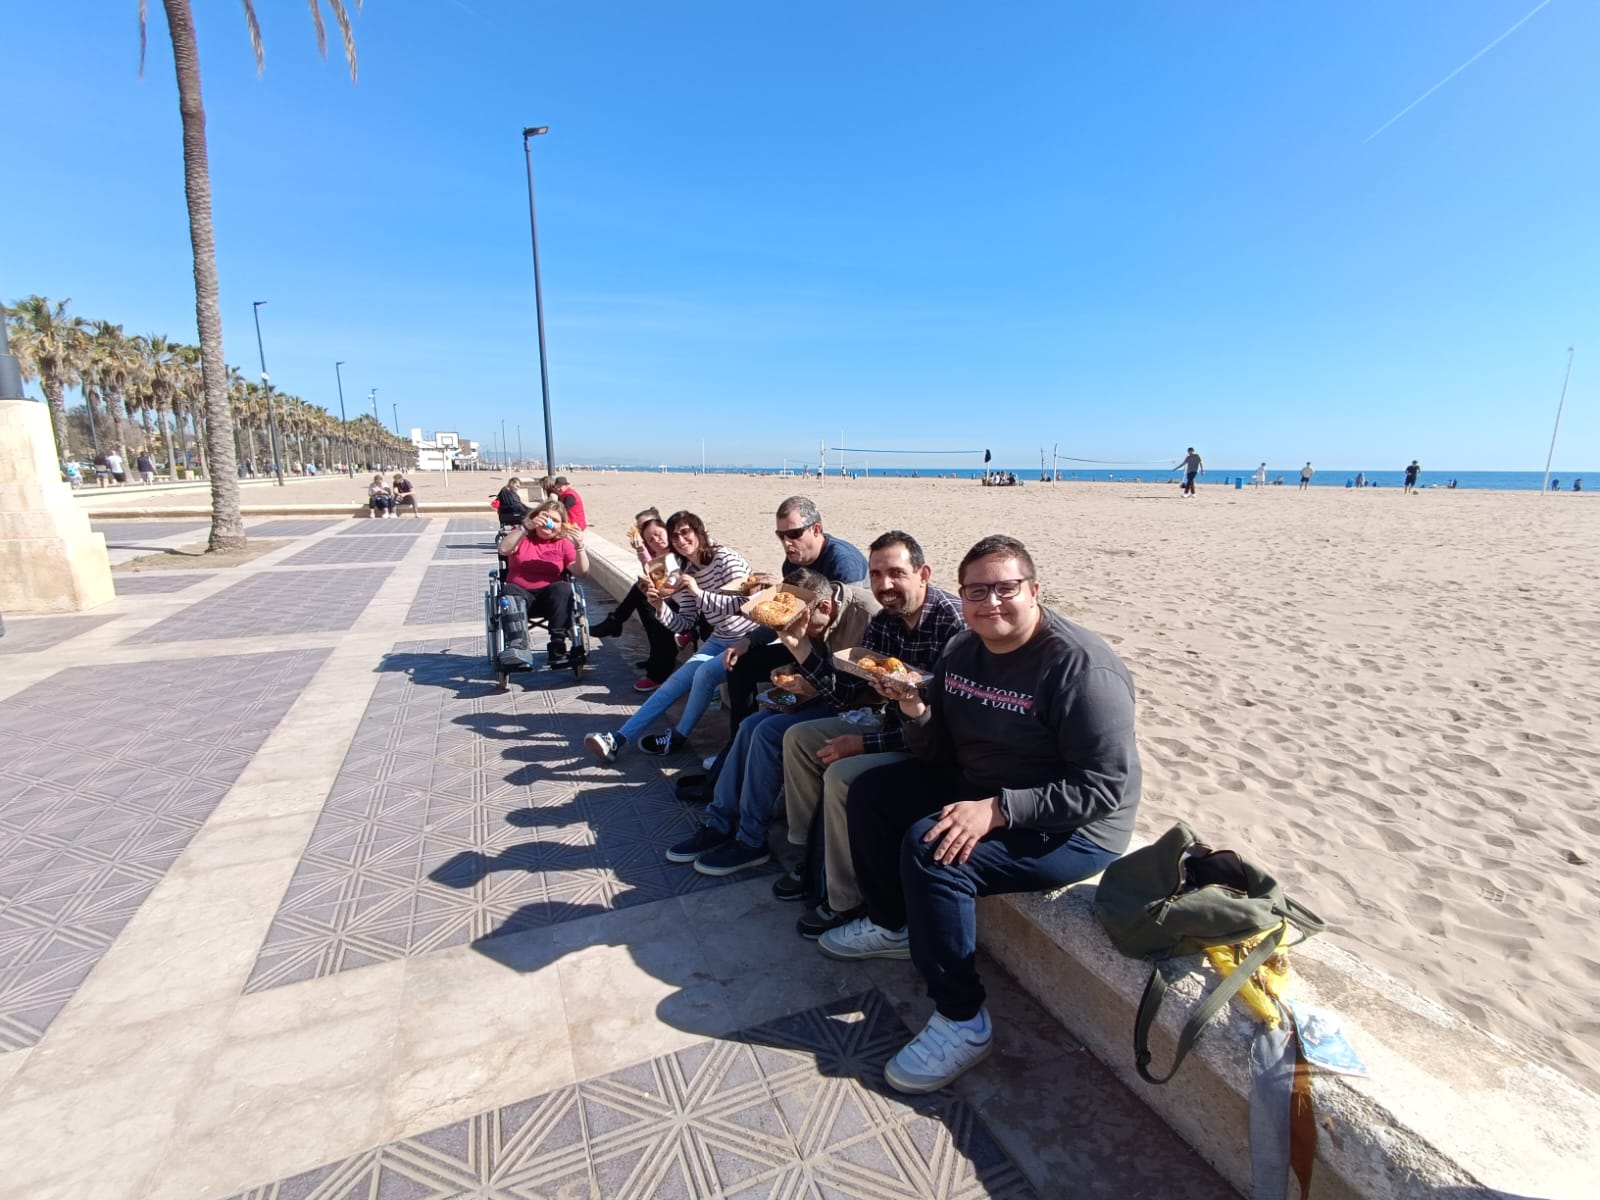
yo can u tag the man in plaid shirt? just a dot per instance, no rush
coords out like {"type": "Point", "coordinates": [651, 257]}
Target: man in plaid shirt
{"type": "Point", "coordinates": [822, 758]}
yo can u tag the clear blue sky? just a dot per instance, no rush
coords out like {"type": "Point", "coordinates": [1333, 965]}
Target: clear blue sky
{"type": "Point", "coordinates": [1126, 227]}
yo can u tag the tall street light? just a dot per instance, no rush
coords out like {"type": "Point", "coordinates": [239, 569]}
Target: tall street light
{"type": "Point", "coordinates": [372, 395]}
{"type": "Point", "coordinates": [528, 135]}
{"type": "Point", "coordinates": [349, 466]}
{"type": "Point", "coordinates": [505, 450]}
{"type": "Point", "coordinates": [519, 445]}
{"type": "Point", "coordinates": [396, 407]}
{"type": "Point", "coordinates": [272, 410]}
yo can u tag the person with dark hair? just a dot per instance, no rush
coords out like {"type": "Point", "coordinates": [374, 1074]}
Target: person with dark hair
{"type": "Point", "coordinates": [650, 542]}
{"type": "Point", "coordinates": [734, 836]}
{"type": "Point", "coordinates": [509, 503]}
{"type": "Point", "coordinates": [822, 758]}
{"type": "Point", "coordinates": [1413, 473]}
{"type": "Point", "coordinates": [1192, 466]}
{"type": "Point", "coordinates": [696, 590]}
{"type": "Point", "coordinates": [1026, 777]}
{"type": "Point", "coordinates": [559, 489]}
{"type": "Point", "coordinates": [538, 556]}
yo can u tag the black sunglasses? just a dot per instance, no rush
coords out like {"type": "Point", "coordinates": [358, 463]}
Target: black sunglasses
{"type": "Point", "coordinates": [790, 535]}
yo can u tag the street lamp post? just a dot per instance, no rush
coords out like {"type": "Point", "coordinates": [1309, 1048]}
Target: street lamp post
{"type": "Point", "coordinates": [349, 466]}
{"type": "Point", "coordinates": [272, 410]}
{"type": "Point", "coordinates": [396, 407]}
{"type": "Point", "coordinates": [372, 395]}
{"type": "Point", "coordinates": [528, 135]}
{"type": "Point", "coordinates": [519, 445]}
{"type": "Point", "coordinates": [505, 450]}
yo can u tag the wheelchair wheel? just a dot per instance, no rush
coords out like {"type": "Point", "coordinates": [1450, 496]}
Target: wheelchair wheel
{"type": "Point", "coordinates": [491, 631]}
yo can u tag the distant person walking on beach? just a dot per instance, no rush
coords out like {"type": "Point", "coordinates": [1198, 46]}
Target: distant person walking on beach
{"type": "Point", "coordinates": [1306, 472]}
{"type": "Point", "coordinates": [1411, 476]}
{"type": "Point", "coordinates": [1192, 465]}
{"type": "Point", "coordinates": [1260, 477]}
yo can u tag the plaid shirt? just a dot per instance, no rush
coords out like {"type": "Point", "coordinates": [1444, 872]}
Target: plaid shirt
{"type": "Point", "coordinates": [887, 635]}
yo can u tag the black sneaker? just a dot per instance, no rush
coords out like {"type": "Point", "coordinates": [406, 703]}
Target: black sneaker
{"type": "Point", "coordinates": [817, 921]}
{"type": "Point", "coordinates": [662, 744]}
{"type": "Point", "coordinates": [791, 886]}
{"type": "Point", "coordinates": [705, 839]}
{"type": "Point", "coordinates": [609, 628]}
{"type": "Point", "coordinates": [731, 858]}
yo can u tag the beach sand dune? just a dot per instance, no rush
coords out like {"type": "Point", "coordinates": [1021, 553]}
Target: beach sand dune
{"type": "Point", "coordinates": [1391, 699]}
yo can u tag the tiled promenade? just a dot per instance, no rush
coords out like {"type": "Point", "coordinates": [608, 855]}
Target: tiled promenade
{"type": "Point", "coordinates": [294, 903]}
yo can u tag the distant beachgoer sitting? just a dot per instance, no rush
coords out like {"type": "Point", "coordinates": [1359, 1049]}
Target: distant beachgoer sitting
{"type": "Point", "coordinates": [405, 494]}
{"type": "Point", "coordinates": [380, 500]}
{"type": "Point", "coordinates": [1577, 484]}
{"type": "Point", "coordinates": [1361, 479]}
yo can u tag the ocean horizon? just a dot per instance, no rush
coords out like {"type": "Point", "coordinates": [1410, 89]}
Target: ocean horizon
{"type": "Point", "coordinates": [1508, 481]}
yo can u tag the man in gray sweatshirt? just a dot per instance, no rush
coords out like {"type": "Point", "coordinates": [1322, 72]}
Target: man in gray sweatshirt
{"type": "Point", "coordinates": [1025, 777]}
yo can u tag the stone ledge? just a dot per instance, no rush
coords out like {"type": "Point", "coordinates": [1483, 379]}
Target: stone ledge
{"type": "Point", "coordinates": [1449, 1111]}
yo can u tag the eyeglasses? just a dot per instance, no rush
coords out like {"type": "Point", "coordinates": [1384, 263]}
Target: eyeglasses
{"type": "Point", "coordinates": [1001, 589]}
{"type": "Point", "coordinates": [682, 531]}
{"type": "Point", "coordinates": [790, 535]}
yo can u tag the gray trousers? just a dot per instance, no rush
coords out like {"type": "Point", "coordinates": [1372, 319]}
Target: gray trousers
{"type": "Point", "coordinates": [807, 784]}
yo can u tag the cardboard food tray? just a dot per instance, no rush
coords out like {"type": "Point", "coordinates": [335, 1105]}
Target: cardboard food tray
{"type": "Point", "coordinates": [781, 700]}
{"type": "Point", "coordinates": [748, 607]}
{"type": "Point", "coordinates": [845, 660]}
{"type": "Point", "coordinates": [667, 562]}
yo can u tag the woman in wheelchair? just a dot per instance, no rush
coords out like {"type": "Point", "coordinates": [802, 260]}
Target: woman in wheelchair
{"type": "Point", "coordinates": [538, 556]}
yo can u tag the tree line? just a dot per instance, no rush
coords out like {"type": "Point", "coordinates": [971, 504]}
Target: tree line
{"type": "Point", "coordinates": [145, 391]}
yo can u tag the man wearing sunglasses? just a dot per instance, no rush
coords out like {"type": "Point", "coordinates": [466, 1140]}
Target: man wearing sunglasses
{"type": "Point", "coordinates": [750, 661]}
{"type": "Point", "coordinates": [1024, 777]}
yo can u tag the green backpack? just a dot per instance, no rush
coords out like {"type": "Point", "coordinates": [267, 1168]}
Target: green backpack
{"type": "Point", "coordinates": [1177, 896]}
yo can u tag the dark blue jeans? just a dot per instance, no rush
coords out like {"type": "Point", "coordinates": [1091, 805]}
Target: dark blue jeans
{"type": "Point", "coordinates": [891, 810]}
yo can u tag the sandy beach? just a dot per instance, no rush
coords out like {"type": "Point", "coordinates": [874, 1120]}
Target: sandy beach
{"type": "Point", "coordinates": [1392, 699]}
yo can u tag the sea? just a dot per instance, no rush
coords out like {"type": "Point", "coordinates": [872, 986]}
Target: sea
{"type": "Point", "coordinates": [1506, 481]}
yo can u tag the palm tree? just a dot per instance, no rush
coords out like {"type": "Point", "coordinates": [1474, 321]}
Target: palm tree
{"type": "Point", "coordinates": [50, 346]}
{"type": "Point", "coordinates": [114, 364]}
{"type": "Point", "coordinates": [227, 523]}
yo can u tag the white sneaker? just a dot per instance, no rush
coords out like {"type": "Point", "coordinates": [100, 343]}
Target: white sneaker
{"type": "Point", "coordinates": [862, 939]}
{"type": "Point", "coordinates": [603, 746]}
{"type": "Point", "coordinates": [940, 1053]}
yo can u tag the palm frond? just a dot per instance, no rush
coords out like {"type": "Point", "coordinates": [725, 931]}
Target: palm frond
{"type": "Point", "coordinates": [142, 15]}
{"type": "Point", "coordinates": [341, 16]}
{"type": "Point", "coordinates": [255, 37]}
{"type": "Point", "coordinates": [316, 20]}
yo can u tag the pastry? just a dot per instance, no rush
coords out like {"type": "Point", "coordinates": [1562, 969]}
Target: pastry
{"type": "Point", "coordinates": [778, 610]}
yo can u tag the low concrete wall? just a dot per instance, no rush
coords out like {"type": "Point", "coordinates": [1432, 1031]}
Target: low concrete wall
{"type": "Point", "coordinates": [1449, 1111]}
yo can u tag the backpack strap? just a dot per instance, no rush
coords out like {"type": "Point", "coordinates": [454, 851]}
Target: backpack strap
{"type": "Point", "coordinates": [1156, 991]}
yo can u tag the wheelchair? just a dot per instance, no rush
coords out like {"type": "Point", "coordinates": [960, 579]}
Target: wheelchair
{"type": "Point", "coordinates": [580, 644]}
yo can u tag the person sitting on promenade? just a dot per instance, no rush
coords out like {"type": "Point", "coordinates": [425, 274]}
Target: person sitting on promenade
{"type": "Point", "coordinates": [806, 546]}
{"type": "Point", "coordinates": [379, 498]}
{"type": "Point", "coordinates": [734, 836]}
{"type": "Point", "coordinates": [559, 489]}
{"type": "Point", "coordinates": [538, 556]}
{"type": "Point", "coordinates": [405, 494]}
{"type": "Point", "coordinates": [821, 758]}
{"type": "Point", "coordinates": [697, 591]}
{"type": "Point", "coordinates": [509, 503]}
{"type": "Point", "coordinates": [1026, 778]}
{"type": "Point", "coordinates": [651, 544]}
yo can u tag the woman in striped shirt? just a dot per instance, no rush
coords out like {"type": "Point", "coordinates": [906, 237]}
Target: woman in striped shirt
{"type": "Point", "coordinates": [697, 592]}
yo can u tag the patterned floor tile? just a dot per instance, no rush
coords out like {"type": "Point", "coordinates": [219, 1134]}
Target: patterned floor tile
{"type": "Point", "coordinates": [462, 813]}
{"type": "Point", "coordinates": [275, 602]}
{"type": "Point", "coordinates": [486, 525]}
{"type": "Point", "coordinates": [478, 546]}
{"type": "Point", "coordinates": [288, 527]}
{"type": "Point", "coordinates": [399, 526]}
{"type": "Point", "coordinates": [98, 797]}
{"type": "Point", "coordinates": [153, 582]}
{"type": "Point", "coordinates": [791, 1110]}
{"type": "Point", "coordinates": [452, 592]}
{"type": "Point", "coordinates": [129, 534]}
{"type": "Point", "coordinates": [26, 634]}
{"type": "Point", "coordinates": [338, 551]}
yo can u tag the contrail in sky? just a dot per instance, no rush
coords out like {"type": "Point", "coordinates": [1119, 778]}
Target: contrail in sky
{"type": "Point", "coordinates": [1457, 71]}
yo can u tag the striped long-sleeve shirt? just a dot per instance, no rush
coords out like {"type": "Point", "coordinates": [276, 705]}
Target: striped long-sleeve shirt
{"type": "Point", "coordinates": [720, 609]}
{"type": "Point", "coordinates": [886, 636]}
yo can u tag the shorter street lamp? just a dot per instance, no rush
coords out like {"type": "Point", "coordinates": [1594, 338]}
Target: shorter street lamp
{"type": "Point", "coordinates": [377, 421]}
{"type": "Point", "coordinates": [272, 411]}
{"type": "Point", "coordinates": [349, 466]}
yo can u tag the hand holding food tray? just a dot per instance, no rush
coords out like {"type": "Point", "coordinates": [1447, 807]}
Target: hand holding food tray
{"type": "Point", "coordinates": [779, 607]}
{"type": "Point", "coordinates": [748, 586]}
{"type": "Point", "coordinates": [882, 669]}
